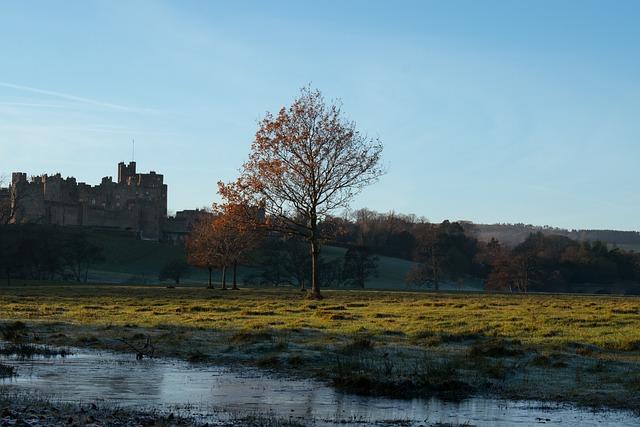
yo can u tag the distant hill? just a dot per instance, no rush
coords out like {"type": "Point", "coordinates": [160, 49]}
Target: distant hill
{"type": "Point", "coordinates": [513, 234]}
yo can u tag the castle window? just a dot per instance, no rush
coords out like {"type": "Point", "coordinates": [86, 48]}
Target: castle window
{"type": "Point", "coordinates": [93, 201]}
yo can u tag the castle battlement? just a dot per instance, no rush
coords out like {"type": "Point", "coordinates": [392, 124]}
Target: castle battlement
{"type": "Point", "coordinates": [137, 201]}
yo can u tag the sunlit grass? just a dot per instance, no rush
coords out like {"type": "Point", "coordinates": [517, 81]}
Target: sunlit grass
{"type": "Point", "coordinates": [608, 322]}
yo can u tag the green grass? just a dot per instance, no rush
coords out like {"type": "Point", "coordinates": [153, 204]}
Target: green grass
{"type": "Point", "coordinates": [124, 253]}
{"type": "Point", "coordinates": [393, 343]}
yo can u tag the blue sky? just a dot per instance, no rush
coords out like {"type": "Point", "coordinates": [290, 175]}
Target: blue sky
{"type": "Point", "coordinates": [512, 111]}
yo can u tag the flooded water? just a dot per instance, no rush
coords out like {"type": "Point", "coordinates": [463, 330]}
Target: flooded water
{"type": "Point", "coordinates": [210, 392]}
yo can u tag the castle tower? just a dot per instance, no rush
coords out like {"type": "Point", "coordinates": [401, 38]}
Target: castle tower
{"type": "Point", "coordinates": [126, 171]}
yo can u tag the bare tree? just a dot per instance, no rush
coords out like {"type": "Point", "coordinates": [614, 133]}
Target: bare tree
{"type": "Point", "coordinates": [306, 162]}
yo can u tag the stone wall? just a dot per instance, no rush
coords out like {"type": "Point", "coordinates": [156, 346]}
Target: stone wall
{"type": "Point", "coordinates": [136, 202]}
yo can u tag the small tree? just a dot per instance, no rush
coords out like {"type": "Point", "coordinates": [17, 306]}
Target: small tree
{"type": "Point", "coordinates": [201, 246]}
{"type": "Point", "coordinates": [306, 162]}
{"type": "Point", "coordinates": [359, 265]}
{"type": "Point", "coordinates": [79, 254]}
{"type": "Point", "coordinates": [174, 270]}
{"type": "Point", "coordinates": [224, 239]}
{"type": "Point", "coordinates": [237, 234]}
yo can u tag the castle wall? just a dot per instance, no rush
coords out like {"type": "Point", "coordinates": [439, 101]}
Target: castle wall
{"type": "Point", "coordinates": [62, 213]}
{"type": "Point", "coordinates": [27, 199]}
{"type": "Point", "coordinates": [136, 202]}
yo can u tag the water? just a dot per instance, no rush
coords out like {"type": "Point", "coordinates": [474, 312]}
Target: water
{"type": "Point", "coordinates": [210, 392]}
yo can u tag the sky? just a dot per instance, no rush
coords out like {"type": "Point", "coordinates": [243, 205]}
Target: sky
{"type": "Point", "coordinates": [489, 111]}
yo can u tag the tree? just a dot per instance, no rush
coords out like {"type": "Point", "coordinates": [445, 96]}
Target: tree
{"type": "Point", "coordinates": [429, 254]}
{"type": "Point", "coordinates": [174, 270]}
{"type": "Point", "coordinates": [274, 261]}
{"type": "Point", "coordinates": [285, 260]}
{"type": "Point", "coordinates": [359, 265]}
{"type": "Point", "coordinates": [239, 234]}
{"type": "Point", "coordinates": [297, 260]}
{"type": "Point", "coordinates": [79, 254]}
{"type": "Point", "coordinates": [224, 239]}
{"type": "Point", "coordinates": [201, 245]}
{"type": "Point", "coordinates": [442, 251]}
{"type": "Point", "coordinates": [306, 162]}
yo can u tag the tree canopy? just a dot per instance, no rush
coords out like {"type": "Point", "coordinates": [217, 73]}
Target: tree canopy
{"type": "Point", "coordinates": [305, 162]}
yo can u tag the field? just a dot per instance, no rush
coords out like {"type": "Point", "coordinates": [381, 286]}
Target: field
{"type": "Point", "coordinates": [581, 349]}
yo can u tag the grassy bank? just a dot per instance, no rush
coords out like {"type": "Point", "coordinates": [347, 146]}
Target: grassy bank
{"type": "Point", "coordinates": [582, 349]}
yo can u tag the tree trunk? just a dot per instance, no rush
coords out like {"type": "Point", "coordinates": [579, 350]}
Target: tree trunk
{"type": "Point", "coordinates": [302, 289]}
{"type": "Point", "coordinates": [435, 271]}
{"type": "Point", "coordinates": [224, 277]}
{"type": "Point", "coordinates": [315, 254]}
{"type": "Point", "coordinates": [210, 284]}
{"type": "Point", "coordinates": [235, 275]}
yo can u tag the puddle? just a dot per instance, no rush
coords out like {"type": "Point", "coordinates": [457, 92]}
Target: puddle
{"type": "Point", "coordinates": [209, 391]}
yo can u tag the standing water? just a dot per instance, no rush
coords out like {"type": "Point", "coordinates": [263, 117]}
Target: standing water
{"type": "Point", "coordinates": [209, 392]}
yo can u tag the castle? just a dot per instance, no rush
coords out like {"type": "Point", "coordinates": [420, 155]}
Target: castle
{"type": "Point", "coordinates": [136, 202]}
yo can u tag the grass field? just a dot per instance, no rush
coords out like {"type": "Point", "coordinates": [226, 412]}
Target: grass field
{"type": "Point", "coordinates": [583, 349]}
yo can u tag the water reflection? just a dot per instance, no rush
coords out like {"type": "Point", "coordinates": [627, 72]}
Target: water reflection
{"type": "Point", "coordinates": [176, 385]}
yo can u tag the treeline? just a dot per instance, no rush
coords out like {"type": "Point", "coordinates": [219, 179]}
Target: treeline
{"type": "Point", "coordinates": [445, 252]}
{"type": "Point", "coordinates": [451, 251]}
{"type": "Point", "coordinates": [556, 263]}
{"type": "Point", "coordinates": [231, 236]}
{"type": "Point", "coordinates": [45, 252]}
{"type": "Point", "coordinates": [513, 234]}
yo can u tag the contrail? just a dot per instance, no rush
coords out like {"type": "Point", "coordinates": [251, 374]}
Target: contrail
{"type": "Point", "coordinates": [76, 98]}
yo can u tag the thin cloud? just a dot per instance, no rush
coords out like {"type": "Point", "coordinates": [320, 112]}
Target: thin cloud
{"type": "Point", "coordinates": [80, 99]}
{"type": "Point", "coordinates": [33, 104]}
{"type": "Point", "coordinates": [96, 129]}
